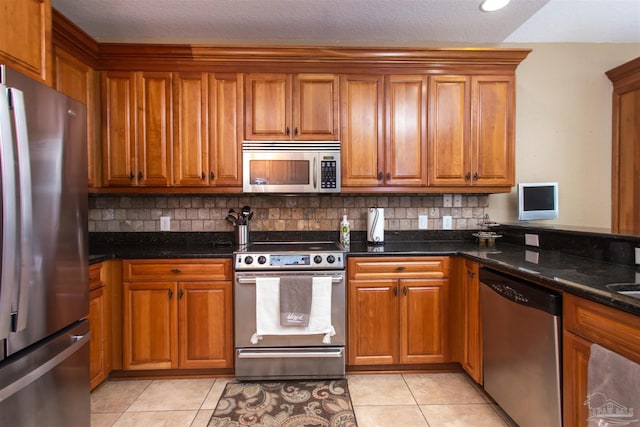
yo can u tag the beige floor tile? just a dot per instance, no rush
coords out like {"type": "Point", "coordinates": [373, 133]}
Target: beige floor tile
{"type": "Point", "coordinates": [385, 416]}
{"type": "Point", "coordinates": [384, 389]}
{"type": "Point", "coordinates": [104, 420]}
{"type": "Point", "coordinates": [442, 388]}
{"type": "Point", "coordinates": [202, 418]}
{"type": "Point", "coordinates": [156, 419]}
{"type": "Point", "coordinates": [116, 396]}
{"type": "Point", "coordinates": [173, 395]}
{"type": "Point", "coordinates": [478, 415]}
{"type": "Point", "coordinates": [215, 393]}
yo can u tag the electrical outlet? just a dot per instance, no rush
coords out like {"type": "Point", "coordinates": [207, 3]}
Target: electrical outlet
{"type": "Point", "coordinates": [531, 240]}
{"type": "Point", "coordinates": [457, 200]}
{"type": "Point", "coordinates": [638, 256]}
{"type": "Point", "coordinates": [423, 223]}
{"type": "Point", "coordinates": [447, 223]}
{"type": "Point", "coordinates": [165, 223]}
{"type": "Point", "coordinates": [447, 200]}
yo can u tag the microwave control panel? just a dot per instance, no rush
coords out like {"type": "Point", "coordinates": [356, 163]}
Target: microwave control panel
{"type": "Point", "coordinates": [329, 174]}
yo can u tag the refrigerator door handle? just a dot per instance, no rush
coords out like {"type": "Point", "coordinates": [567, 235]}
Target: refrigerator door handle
{"type": "Point", "coordinates": [9, 273]}
{"type": "Point", "coordinates": [21, 381]}
{"type": "Point", "coordinates": [26, 210]}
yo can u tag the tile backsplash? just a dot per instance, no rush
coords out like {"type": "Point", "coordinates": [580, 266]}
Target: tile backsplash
{"type": "Point", "coordinates": [142, 213]}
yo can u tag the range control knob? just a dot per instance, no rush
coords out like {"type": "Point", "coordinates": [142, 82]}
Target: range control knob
{"type": "Point", "coordinates": [262, 259]}
{"type": "Point", "coordinates": [331, 259]}
{"type": "Point", "coordinates": [248, 260]}
{"type": "Point", "coordinates": [317, 259]}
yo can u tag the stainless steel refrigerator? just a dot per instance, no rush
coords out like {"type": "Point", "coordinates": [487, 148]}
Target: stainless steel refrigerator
{"type": "Point", "coordinates": [44, 334]}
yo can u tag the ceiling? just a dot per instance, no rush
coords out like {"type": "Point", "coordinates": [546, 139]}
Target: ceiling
{"type": "Point", "coordinates": [355, 22]}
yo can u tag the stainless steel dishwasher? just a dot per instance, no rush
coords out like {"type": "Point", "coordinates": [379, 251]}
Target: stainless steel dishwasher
{"type": "Point", "coordinates": [521, 333]}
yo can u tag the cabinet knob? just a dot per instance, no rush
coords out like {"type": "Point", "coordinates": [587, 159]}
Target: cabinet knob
{"type": "Point", "coordinates": [471, 274]}
{"type": "Point", "coordinates": [140, 175]}
{"type": "Point", "coordinates": [404, 291]}
{"type": "Point", "coordinates": [287, 131]}
{"type": "Point", "coordinates": [400, 268]}
{"type": "Point", "coordinates": [379, 176]}
{"type": "Point", "coordinates": [212, 176]}
{"type": "Point", "coordinates": [131, 176]}
{"type": "Point", "coordinates": [395, 292]}
{"type": "Point", "coordinates": [388, 176]}
{"type": "Point", "coordinates": [476, 176]}
{"type": "Point", "coordinates": [467, 177]}
{"type": "Point", "coordinates": [170, 294]}
{"type": "Point", "coordinates": [295, 131]}
{"type": "Point", "coordinates": [176, 270]}
{"type": "Point", "coordinates": [180, 293]}
{"type": "Point", "coordinates": [203, 176]}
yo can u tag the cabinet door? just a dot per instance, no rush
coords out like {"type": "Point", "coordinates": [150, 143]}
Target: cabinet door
{"type": "Point", "coordinates": [150, 335]}
{"type": "Point", "coordinates": [315, 107]}
{"type": "Point", "coordinates": [362, 130]}
{"type": "Point", "coordinates": [406, 140]}
{"type": "Point", "coordinates": [372, 322]}
{"type": "Point", "coordinates": [25, 39]}
{"type": "Point", "coordinates": [268, 112]}
{"type": "Point", "coordinates": [190, 139]}
{"type": "Point", "coordinates": [423, 326]}
{"type": "Point", "coordinates": [449, 156]}
{"type": "Point", "coordinates": [97, 327]}
{"type": "Point", "coordinates": [205, 324]}
{"type": "Point", "coordinates": [118, 119]}
{"type": "Point", "coordinates": [225, 129]}
{"type": "Point", "coordinates": [472, 345]}
{"type": "Point", "coordinates": [154, 104]}
{"type": "Point", "coordinates": [575, 367]}
{"type": "Point", "coordinates": [78, 81]}
{"type": "Point", "coordinates": [492, 130]}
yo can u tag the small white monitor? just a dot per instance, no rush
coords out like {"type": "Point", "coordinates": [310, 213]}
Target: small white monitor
{"type": "Point", "coordinates": [537, 200]}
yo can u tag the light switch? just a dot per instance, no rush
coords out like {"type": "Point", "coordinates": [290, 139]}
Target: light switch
{"type": "Point", "coordinates": [165, 223]}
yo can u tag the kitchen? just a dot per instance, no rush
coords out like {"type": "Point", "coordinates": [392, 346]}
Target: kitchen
{"type": "Point", "coordinates": [539, 91]}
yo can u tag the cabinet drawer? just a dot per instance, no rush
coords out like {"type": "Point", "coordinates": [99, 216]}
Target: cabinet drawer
{"type": "Point", "coordinates": [176, 270]}
{"type": "Point", "coordinates": [398, 267]}
{"type": "Point", "coordinates": [94, 276]}
{"type": "Point", "coordinates": [611, 328]}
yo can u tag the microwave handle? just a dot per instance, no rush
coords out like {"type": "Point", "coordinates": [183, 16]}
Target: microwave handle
{"type": "Point", "coordinates": [315, 173]}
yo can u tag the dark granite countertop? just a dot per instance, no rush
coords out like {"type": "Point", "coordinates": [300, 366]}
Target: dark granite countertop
{"type": "Point", "coordinates": [582, 276]}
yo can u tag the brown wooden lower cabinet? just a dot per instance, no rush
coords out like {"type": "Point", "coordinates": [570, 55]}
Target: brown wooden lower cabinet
{"type": "Point", "coordinates": [585, 323]}
{"type": "Point", "coordinates": [472, 330]}
{"type": "Point", "coordinates": [397, 310]}
{"type": "Point", "coordinates": [99, 356]}
{"type": "Point", "coordinates": [178, 323]}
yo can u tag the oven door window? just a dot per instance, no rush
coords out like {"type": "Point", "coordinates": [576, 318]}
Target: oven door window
{"type": "Point", "coordinates": [279, 172]}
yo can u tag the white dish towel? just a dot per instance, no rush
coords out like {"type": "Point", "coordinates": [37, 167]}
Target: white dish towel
{"type": "Point", "coordinates": [268, 310]}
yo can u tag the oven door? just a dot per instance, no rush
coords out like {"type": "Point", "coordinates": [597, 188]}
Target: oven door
{"type": "Point", "coordinates": [287, 356]}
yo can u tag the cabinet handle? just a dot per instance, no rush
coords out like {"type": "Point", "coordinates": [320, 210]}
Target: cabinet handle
{"type": "Point", "coordinates": [388, 176]}
{"type": "Point", "coordinates": [170, 294]}
{"type": "Point", "coordinates": [140, 176]}
{"type": "Point", "coordinates": [212, 176]}
{"type": "Point", "coordinates": [471, 274]}
{"type": "Point", "coordinates": [287, 131]}
{"type": "Point", "coordinates": [476, 176]}
{"type": "Point", "coordinates": [395, 292]}
{"type": "Point", "coordinates": [176, 270]}
{"type": "Point", "coordinates": [400, 268]}
{"type": "Point", "coordinates": [404, 291]}
{"type": "Point", "coordinates": [379, 176]}
{"type": "Point", "coordinates": [180, 293]}
{"type": "Point", "coordinates": [295, 131]}
{"type": "Point", "coordinates": [203, 176]}
{"type": "Point", "coordinates": [467, 177]}
{"type": "Point", "coordinates": [131, 176]}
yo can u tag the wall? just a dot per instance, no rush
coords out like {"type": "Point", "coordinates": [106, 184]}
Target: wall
{"type": "Point", "coordinates": [278, 213]}
{"type": "Point", "coordinates": [563, 129]}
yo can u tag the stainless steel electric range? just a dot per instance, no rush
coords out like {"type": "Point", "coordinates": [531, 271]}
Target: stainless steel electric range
{"type": "Point", "coordinates": [265, 349]}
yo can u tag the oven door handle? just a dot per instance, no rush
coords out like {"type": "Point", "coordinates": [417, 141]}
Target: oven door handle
{"type": "Point", "coordinates": [248, 354]}
{"type": "Point", "coordinates": [252, 280]}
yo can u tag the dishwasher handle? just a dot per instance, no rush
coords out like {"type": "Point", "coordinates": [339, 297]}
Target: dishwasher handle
{"type": "Point", "coordinates": [522, 292]}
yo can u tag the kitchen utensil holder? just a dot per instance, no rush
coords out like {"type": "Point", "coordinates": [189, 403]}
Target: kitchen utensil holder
{"type": "Point", "coordinates": [242, 234]}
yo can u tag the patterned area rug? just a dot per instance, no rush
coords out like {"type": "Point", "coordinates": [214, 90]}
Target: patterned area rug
{"type": "Point", "coordinates": [284, 404]}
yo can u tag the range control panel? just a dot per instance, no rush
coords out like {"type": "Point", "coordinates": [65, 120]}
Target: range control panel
{"type": "Point", "coordinates": [299, 261]}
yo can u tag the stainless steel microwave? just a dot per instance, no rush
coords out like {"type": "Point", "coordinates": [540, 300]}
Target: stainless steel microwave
{"type": "Point", "coordinates": [291, 166]}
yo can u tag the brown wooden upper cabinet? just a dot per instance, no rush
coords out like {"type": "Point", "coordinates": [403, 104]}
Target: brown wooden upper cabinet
{"type": "Point", "coordinates": [207, 129]}
{"type": "Point", "coordinates": [25, 39]}
{"type": "Point", "coordinates": [384, 130]}
{"type": "Point", "coordinates": [137, 140]}
{"type": "Point", "coordinates": [283, 107]}
{"type": "Point", "coordinates": [471, 130]}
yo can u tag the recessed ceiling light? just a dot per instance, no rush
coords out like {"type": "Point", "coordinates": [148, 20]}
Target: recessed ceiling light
{"type": "Point", "coordinates": [491, 5]}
